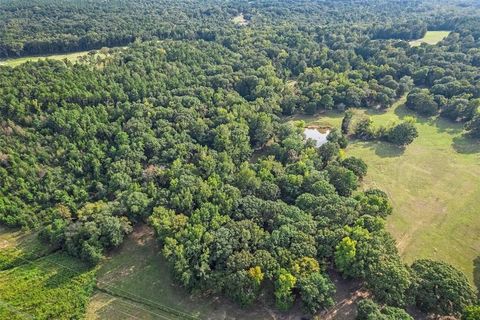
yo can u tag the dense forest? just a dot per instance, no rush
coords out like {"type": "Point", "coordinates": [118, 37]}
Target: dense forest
{"type": "Point", "coordinates": [185, 129]}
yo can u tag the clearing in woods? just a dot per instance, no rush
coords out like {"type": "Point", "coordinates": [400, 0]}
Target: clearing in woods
{"type": "Point", "coordinates": [431, 37]}
{"type": "Point", "coordinates": [434, 185]}
{"type": "Point", "coordinates": [240, 20]}
{"type": "Point", "coordinates": [73, 57]}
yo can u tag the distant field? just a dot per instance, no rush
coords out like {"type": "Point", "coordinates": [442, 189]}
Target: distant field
{"type": "Point", "coordinates": [431, 37]}
{"type": "Point", "coordinates": [73, 57]}
{"type": "Point", "coordinates": [434, 186]}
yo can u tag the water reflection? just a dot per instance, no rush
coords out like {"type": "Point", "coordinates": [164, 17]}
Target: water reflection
{"type": "Point", "coordinates": [317, 134]}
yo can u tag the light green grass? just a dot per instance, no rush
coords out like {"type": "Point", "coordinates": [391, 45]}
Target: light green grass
{"type": "Point", "coordinates": [73, 57]}
{"type": "Point", "coordinates": [431, 37]}
{"type": "Point", "coordinates": [53, 287]}
{"type": "Point", "coordinates": [434, 185]}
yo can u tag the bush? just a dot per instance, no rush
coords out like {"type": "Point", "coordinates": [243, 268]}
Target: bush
{"type": "Point", "coordinates": [364, 130]}
{"type": "Point", "coordinates": [422, 101]}
{"type": "Point", "coordinates": [402, 134]}
{"type": "Point", "coordinates": [369, 310]}
{"type": "Point", "coordinates": [440, 288]}
{"type": "Point", "coordinates": [356, 165]}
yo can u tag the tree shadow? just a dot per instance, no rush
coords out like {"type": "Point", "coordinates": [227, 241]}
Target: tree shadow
{"type": "Point", "coordinates": [383, 149]}
{"type": "Point", "coordinates": [60, 278]}
{"type": "Point", "coordinates": [466, 145]}
{"type": "Point", "coordinates": [448, 126]}
{"type": "Point", "coordinates": [476, 273]}
{"type": "Point", "coordinates": [376, 112]}
{"type": "Point", "coordinates": [402, 111]}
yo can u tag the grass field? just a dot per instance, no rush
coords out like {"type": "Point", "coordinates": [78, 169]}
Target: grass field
{"type": "Point", "coordinates": [434, 185]}
{"type": "Point", "coordinates": [431, 37]}
{"type": "Point", "coordinates": [73, 57]}
{"type": "Point", "coordinates": [53, 287]}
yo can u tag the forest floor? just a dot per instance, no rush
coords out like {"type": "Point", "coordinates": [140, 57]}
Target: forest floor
{"type": "Point", "coordinates": [431, 37]}
{"type": "Point", "coordinates": [434, 185]}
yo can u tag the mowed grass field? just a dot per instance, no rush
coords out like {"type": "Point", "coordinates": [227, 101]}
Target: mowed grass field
{"type": "Point", "coordinates": [431, 37]}
{"type": "Point", "coordinates": [434, 185]}
{"type": "Point", "coordinates": [73, 57]}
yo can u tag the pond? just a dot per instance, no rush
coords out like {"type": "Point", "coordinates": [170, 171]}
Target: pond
{"type": "Point", "coordinates": [317, 134]}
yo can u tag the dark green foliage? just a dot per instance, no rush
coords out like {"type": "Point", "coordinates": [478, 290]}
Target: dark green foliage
{"type": "Point", "coordinates": [94, 229]}
{"type": "Point", "coordinates": [422, 101]}
{"type": "Point", "coordinates": [364, 130]}
{"type": "Point", "coordinates": [338, 137]}
{"type": "Point", "coordinates": [343, 179]}
{"type": "Point", "coordinates": [369, 310]}
{"type": "Point", "coordinates": [473, 126]}
{"type": "Point", "coordinates": [347, 119]}
{"type": "Point", "coordinates": [375, 202]}
{"type": "Point", "coordinates": [402, 134]}
{"type": "Point", "coordinates": [440, 288]}
{"type": "Point", "coordinates": [316, 291]}
{"type": "Point", "coordinates": [356, 165]}
{"type": "Point", "coordinates": [389, 281]}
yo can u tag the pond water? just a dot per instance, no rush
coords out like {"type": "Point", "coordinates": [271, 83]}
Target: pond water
{"type": "Point", "coordinates": [319, 135]}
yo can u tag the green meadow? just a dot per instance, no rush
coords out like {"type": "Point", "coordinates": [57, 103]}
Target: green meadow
{"type": "Point", "coordinates": [73, 57]}
{"type": "Point", "coordinates": [434, 185]}
{"type": "Point", "coordinates": [431, 37]}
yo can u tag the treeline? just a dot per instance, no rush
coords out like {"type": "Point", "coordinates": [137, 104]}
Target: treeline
{"type": "Point", "coordinates": [409, 30]}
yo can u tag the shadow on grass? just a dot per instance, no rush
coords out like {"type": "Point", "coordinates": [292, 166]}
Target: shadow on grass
{"type": "Point", "coordinates": [476, 273]}
{"type": "Point", "coordinates": [376, 112]}
{"type": "Point", "coordinates": [60, 279]}
{"type": "Point", "coordinates": [402, 111]}
{"type": "Point", "coordinates": [383, 149]}
{"type": "Point", "coordinates": [466, 145]}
